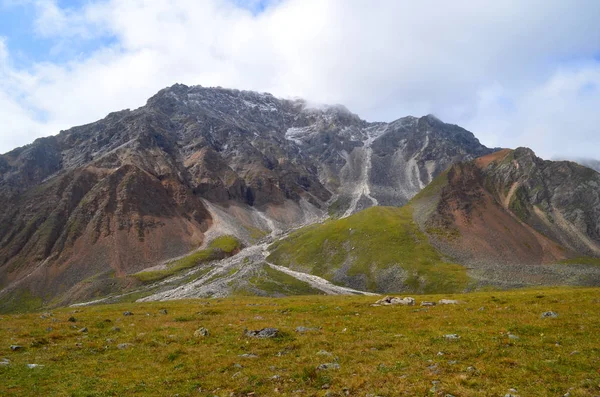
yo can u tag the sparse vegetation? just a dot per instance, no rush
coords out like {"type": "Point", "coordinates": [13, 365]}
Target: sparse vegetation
{"type": "Point", "coordinates": [219, 248]}
{"type": "Point", "coordinates": [387, 351]}
{"type": "Point", "coordinates": [582, 260]}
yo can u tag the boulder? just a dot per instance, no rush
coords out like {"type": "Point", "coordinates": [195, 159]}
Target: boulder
{"type": "Point", "coordinates": [201, 332]}
{"type": "Point", "coordinates": [549, 314]}
{"type": "Point", "coordinates": [448, 302]}
{"type": "Point", "coordinates": [262, 333]}
{"type": "Point", "coordinates": [427, 303]}
{"type": "Point", "coordinates": [390, 301]}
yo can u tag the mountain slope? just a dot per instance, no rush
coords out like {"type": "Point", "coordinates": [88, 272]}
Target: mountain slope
{"type": "Point", "coordinates": [131, 191]}
{"type": "Point", "coordinates": [509, 218]}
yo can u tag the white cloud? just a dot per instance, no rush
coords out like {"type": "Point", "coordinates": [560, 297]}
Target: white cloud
{"type": "Point", "coordinates": [504, 69]}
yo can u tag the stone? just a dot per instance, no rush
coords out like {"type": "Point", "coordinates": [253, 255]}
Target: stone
{"type": "Point", "coordinates": [513, 337]}
{"type": "Point", "coordinates": [123, 346]}
{"type": "Point", "coordinates": [427, 303]}
{"type": "Point", "coordinates": [16, 348]}
{"type": "Point", "coordinates": [163, 311]}
{"type": "Point", "coordinates": [262, 333]}
{"type": "Point", "coordinates": [324, 353]}
{"type": "Point", "coordinates": [390, 301]}
{"type": "Point", "coordinates": [83, 330]}
{"type": "Point", "coordinates": [302, 330]}
{"type": "Point", "coordinates": [201, 332]}
{"type": "Point", "coordinates": [115, 329]}
{"type": "Point", "coordinates": [248, 355]}
{"type": "Point", "coordinates": [4, 362]}
{"type": "Point", "coordinates": [328, 366]}
{"type": "Point", "coordinates": [549, 314]}
{"type": "Point", "coordinates": [447, 302]}
{"type": "Point", "coordinates": [127, 313]}
{"type": "Point", "coordinates": [46, 315]}
{"type": "Point", "coordinates": [451, 337]}
{"type": "Point", "coordinates": [32, 366]}
{"type": "Point", "coordinates": [72, 319]}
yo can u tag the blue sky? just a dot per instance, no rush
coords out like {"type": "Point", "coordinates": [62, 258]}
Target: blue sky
{"type": "Point", "coordinates": [515, 73]}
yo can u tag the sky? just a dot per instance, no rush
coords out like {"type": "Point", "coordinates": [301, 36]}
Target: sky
{"type": "Point", "coordinates": [515, 73]}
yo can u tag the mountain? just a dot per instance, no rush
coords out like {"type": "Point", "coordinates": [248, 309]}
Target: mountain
{"type": "Point", "coordinates": [87, 208]}
{"type": "Point", "coordinates": [507, 219]}
{"type": "Point", "coordinates": [590, 163]}
{"type": "Point", "coordinates": [129, 202]}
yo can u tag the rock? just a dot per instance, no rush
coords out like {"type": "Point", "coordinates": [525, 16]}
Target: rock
{"type": "Point", "coordinates": [324, 353]}
{"type": "Point", "coordinates": [302, 330]}
{"type": "Point", "coordinates": [123, 346]}
{"type": "Point", "coordinates": [201, 332]}
{"type": "Point", "coordinates": [262, 333]}
{"type": "Point", "coordinates": [248, 355]}
{"type": "Point", "coordinates": [326, 386]}
{"type": "Point", "coordinates": [389, 301]}
{"type": "Point", "coordinates": [127, 313]}
{"type": "Point", "coordinates": [452, 337]}
{"type": "Point", "coordinates": [115, 329]}
{"type": "Point", "coordinates": [4, 362]}
{"type": "Point", "coordinates": [72, 319]}
{"type": "Point", "coordinates": [32, 366]}
{"type": "Point", "coordinates": [46, 315]}
{"type": "Point", "coordinates": [239, 366]}
{"type": "Point", "coordinates": [275, 377]}
{"type": "Point", "coordinates": [427, 303]}
{"type": "Point", "coordinates": [549, 314]}
{"type": "Point", "coordinates": [84, 329]}
{"type": "Point", "coordinates": [163, 311]}
{"type": "Point", "coordinates": [16, 348]}
{"type": "Point", "coordinates": [327, 366]}
{"type": "Point", "coordinates": [512, 336]}
{"type": "Point", "coordinates": [448, 302]}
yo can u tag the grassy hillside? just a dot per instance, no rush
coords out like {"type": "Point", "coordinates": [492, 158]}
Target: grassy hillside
{"type": "Point", "coordinates": [360, 248]}
{"type": "Point", "coordinates": [385, 351]}
{"type": "Point", "coordinates": [221, 247]}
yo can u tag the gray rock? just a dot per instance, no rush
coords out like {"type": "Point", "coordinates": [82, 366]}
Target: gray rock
{"type": "Point", "coordinates": [16, 348]}
{"type": "Point", "coordinates": [549, 314]}
{"type": "Point", "coordinates": [201, 332]}
{"type": "Point", "coordinates": [127, 313]}
{"type": "Point", "coordinates": [248, 355]}
{"type": "Point", "coordinates": [391, 301]}
{"type": "Point", "coordinates": [5, 361]}
{"type": "Point", "coordinates": [327, 366]}
{"type": "Point", "coordinates": [32, 366]}
{"type": "Point", "coordinates": [163, 311]}
{"type": "Point", "coordinates": [83, 330]}
{"type": "Point", "coordinates": [262, 333]}
{"type": "Point", "coordinates": [124, 346]}
{"type": "Point", "coordinates": [513, 337]}
{"type": "Point", "coordinates": [448, 302]}
{"type": "Point", "coordinates": [427, 303]}
{"type": "Point", "coordinates": [451, 337]}
{"type": "Point", "coordinates": [302, 330]}
{"type": "Point", "coordinates": [115, 329]}
{"type": "Point", "coordinates": [324, 353]}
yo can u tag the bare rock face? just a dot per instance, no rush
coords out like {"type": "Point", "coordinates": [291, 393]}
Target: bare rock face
{"type": "Point", "coordinates": [105, 200]}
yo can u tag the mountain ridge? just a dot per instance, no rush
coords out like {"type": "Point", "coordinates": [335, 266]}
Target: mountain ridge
{"type": "Point", "coordinates": [108, 199]}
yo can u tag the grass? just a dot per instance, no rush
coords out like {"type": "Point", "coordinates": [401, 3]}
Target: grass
{"type": "Point", "coordinates": [366, 243]}
{"type": "Point", "coordinates": [582, 260]}
{"type": "Point", "coordinates": [275, 282]}
{"type": "Point", "coordinates": [221, 247]}
{"type": "Point", "coordinates": [385, 351]}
